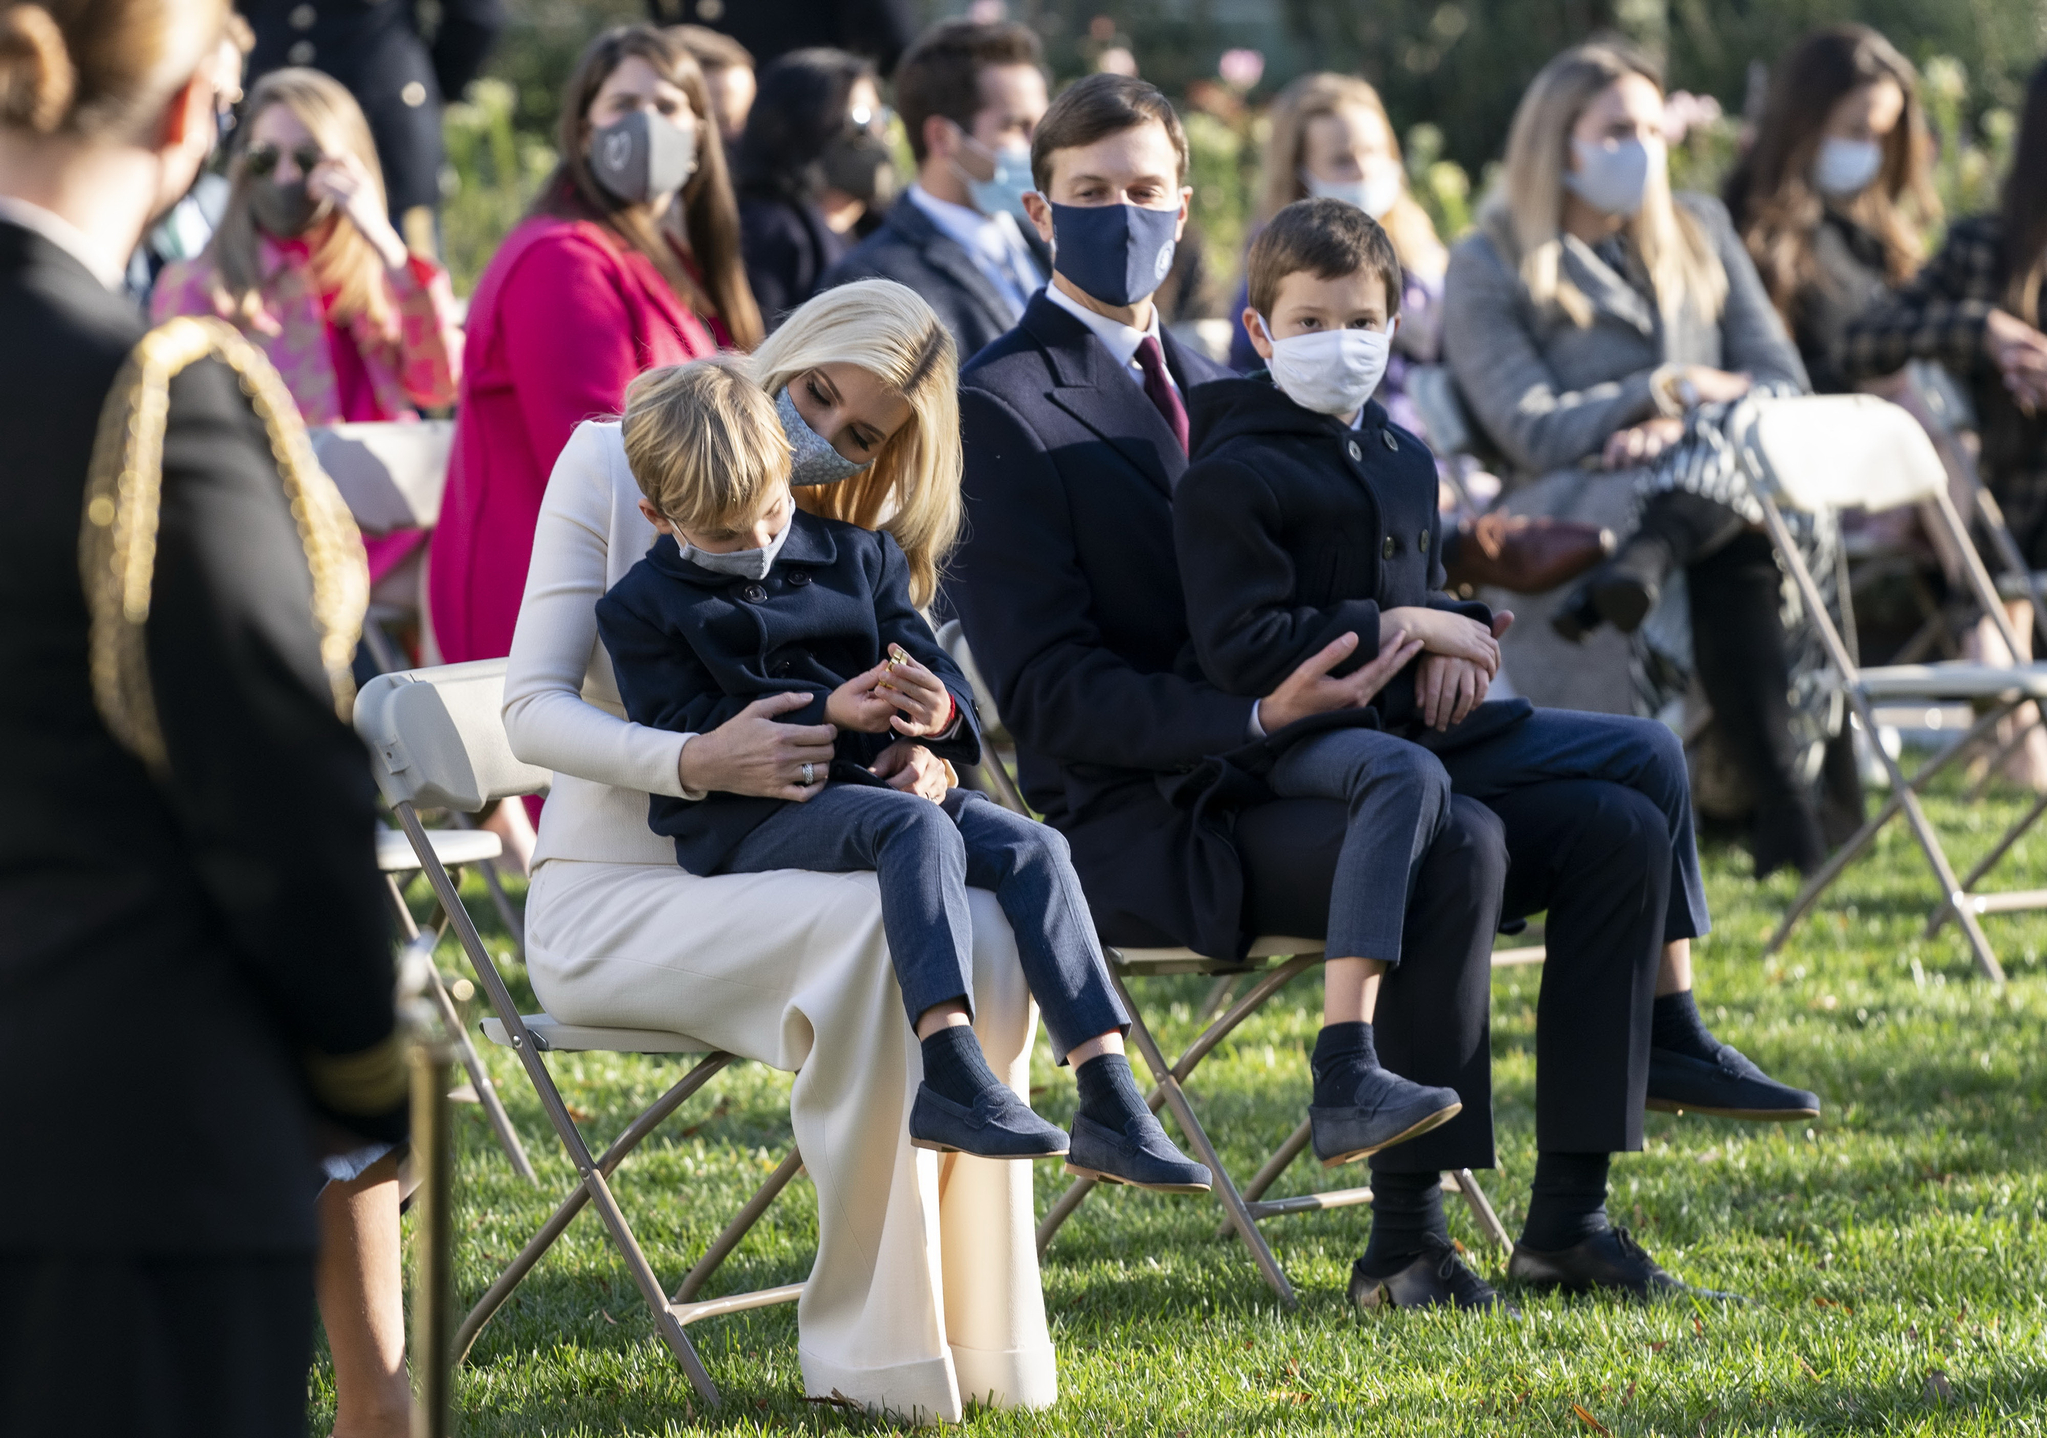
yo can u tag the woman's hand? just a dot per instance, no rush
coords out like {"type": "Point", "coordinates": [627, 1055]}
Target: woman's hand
{"type": "Point", "coordinates": [1638, 444]}
{"type": "Point", "coordinates": [916, 770]}
{"type": "Point", "coordinates": [1716, 386]}
{"type": "Point", "coordinates": [751, 753]}
{"type": "Point", "coordinates": [2020, 353]}
{"type": "Point", "coordinates": [1442, 632]}
{"type": "Point", "coordinates": [925, 702]}
{"type": "Point", "coordinates": [341, 180]}
{"type": "Point", "coordinates": [1309, 690]}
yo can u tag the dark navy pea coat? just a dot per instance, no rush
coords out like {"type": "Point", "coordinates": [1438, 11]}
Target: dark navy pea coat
{"type": "Point", "coordinates": [691, 648]}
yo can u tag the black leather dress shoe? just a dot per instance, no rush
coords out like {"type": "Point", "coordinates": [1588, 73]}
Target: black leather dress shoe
{"type": "Point", "coordinates": [999, 1125]}
{"type": "Point", "coordinates": [1606, 597]}
{"type": "Point", "coordinates": [1726, 1086]}
{"type": "Point", "coordinates": [1141, 1156]}
{"type": "Point", "coordinates": [1611, 1260]}
{"type": "Point", "coordinates": [1389, 1109]}
{"type": "Point", "coordinates": [1437, 1279]}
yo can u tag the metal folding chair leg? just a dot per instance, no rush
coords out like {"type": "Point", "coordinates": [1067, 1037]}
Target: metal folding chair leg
{"type": "Point", "coordinates": [2007, 902]}
{"type": "Point", "coordinates": [465, 1051]}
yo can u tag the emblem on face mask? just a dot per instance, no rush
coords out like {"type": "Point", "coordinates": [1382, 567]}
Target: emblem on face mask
{"type": "Point", "coordinates": [1165, 263]}
{"type": "Point", "coordinates": [618, 149]}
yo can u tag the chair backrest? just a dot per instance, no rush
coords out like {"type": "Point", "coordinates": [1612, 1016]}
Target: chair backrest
{"type": "Point", "coordinates": [1446, 425]}
{"type": "Point", "coordinates": [1841, 451]}
{"type": "Point", "coordinates": [437, 737]}
{"type": "Point", "coordinates": [953, 640]}
{"type": "Point", "coordinates": [390, 474]}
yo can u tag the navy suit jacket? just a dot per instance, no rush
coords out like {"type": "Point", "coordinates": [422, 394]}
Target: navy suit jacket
{"type": "Point", "coordinates": [911, 250]}
{"type": "Point", "coordinates": [691, 648]}
{"type": "Point", "coordinates": [1070, 594]}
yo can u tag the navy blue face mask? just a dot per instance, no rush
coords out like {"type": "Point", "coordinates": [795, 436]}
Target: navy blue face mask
{"type": "Point", "coordinates": [1117, 253]}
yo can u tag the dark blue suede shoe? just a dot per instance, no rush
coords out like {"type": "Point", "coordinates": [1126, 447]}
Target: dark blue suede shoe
{"type": "Point", "coordinates": [1727, 1086]}
{"type": "Point", "coordinates": [1388, 1110]}
{"type": "Point", "coordinates": [999, 1125]}
{"type": "Point", "coordinates": [1141, 1156]}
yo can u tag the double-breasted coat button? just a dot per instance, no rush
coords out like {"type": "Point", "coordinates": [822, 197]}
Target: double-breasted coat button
{"type": "Point", "coordinates": [782, 667]}
{"type": "Point", "coordinates": [301, 53]}
{"type": "Point", "coordinates": [753, 594]}
{"type": "Point", "coordinates": [414, 94]}
{"type": "Point", "coordinates": [1391, 442]}
{"type": "Point", "coordinates": [1390, 547]}
{"type": "Point", "coordinates": [1421, 541]}
{"type": "Point", "coordinates": [302, 17]}
{"type": "Point", "coordinates": [799, 576]}
{"type": "Point", "coordinates": [1355, 452]}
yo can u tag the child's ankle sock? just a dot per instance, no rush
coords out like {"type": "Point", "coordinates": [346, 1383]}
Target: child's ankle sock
{"type": "Point", "coordinates": [1674, 1024]}
{"type": "Point", "coordinates": [1343, 1054]}
{"type": "Point", "coordinates": [1567, 1201]}
{"type": "Point", "coordinates": [955, 1067]}
{"type": "Point", "coordinates": [1407, 1220]}
{"type": "Point", "coordinates": [1108, 1091]}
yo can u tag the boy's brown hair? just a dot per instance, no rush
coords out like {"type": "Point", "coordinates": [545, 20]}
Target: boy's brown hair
{"type": "Point", "coordinates": [704, 443]}
{"type": "Point", "coordinates": [1099, 106]}
{"type": "Point", "coordinates": [1327, 238]}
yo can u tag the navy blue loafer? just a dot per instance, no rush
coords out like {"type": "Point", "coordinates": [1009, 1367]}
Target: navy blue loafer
{"type": "Point", "coordinates": [1727, 1086]}
{"type": "Point", "coordinates": [999, 1125]}
{"type": "Point", "coordinates": [1436, 1279]}
{"type": "Point", "coordinates": [1141, 1156]}
{"type": "Point", "coordinates": [1389, 1110]}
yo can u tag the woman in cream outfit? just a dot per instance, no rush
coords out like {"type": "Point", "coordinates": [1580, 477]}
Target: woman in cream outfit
{"type": "Point", "coordinates": [925, 1290]}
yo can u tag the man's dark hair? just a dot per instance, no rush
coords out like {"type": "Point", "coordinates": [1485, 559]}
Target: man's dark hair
{"type": "Point", "coordinates": [1099, 106]}
{"type": "Point", "coordinates": [1328, 239]}
{"type": "Point", "coordinates": [941, 73]}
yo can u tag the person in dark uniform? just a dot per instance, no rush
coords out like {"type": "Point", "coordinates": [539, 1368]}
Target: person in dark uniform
{"type": "Point", "coordinates": [398, 78]}
{"type": "Point", "coordinates": [182, 997]}
{"type": "Point", "coordinates": [877, 30]}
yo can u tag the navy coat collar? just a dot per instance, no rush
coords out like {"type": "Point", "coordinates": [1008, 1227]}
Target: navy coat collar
{"type": "Point", "coordinates": [810, 542]}
{"type": "Point", "coordinates": [1226, 409]}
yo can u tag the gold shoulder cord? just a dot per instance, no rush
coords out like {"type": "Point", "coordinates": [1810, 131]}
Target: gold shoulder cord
{"type": "Point", "coordinates": [123, 495]}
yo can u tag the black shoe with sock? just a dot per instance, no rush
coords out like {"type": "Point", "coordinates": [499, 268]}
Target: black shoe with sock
{"type": "Point", "coordinates": [1409, 1261]}
{"type": "Point", "coordinates": [1690, 1071]}
{"type": "Point", "coordinates": [1360, 1108]}
{"type": "Point", "coordinates": [962, 1107]}
{"type": "Point", "coordinates": [1117, 1138]}
{"type": "Point", "coordinates": [1567, 1242]}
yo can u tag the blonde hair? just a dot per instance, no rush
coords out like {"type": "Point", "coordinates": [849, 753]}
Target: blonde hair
{"type": "Point", "coordinates": [1524, 215]}
{"type": "Point", "coordinates": [912, 489]}
{"type": "Point", "coordinates": [704, 443]}
{"type": "Point", "coordinates": [100, 69]}
{"type": "Point", "coordinates": [1298, 106]}
{"type": "Point", "coordinates": [345, 264]}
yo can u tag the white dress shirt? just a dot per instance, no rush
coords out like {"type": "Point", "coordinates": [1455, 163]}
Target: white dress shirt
{"type": "Point", "coordinates": [1119, 339]}
{"type": "Point", "coordinates": [67, 237]}
{"type": "Point", "coordinates": [993, 242]}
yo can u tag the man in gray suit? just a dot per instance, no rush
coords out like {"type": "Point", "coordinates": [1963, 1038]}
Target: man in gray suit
{"type": "Point", "coordinates": [970, 96]}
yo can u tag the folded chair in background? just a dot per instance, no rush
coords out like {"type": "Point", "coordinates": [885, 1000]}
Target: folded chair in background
{"type": "Point", "coordinates": [1245, 1208]}
{"type": "Point", "coordinates": [438, 742]}
{"type": "Point", "coordinates": [1857, 451]}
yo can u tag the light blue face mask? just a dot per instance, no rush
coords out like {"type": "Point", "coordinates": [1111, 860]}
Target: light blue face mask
{"type": "Point", "coordinates": [1012, 181]}
{"type": "Point", "coordinates": [812, 460]}
{"type": "Point", "coordinates": [739, 563]}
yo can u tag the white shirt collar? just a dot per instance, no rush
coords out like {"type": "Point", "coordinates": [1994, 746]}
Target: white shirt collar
{"type": "Point", "coordinates": [972, 230]}
{"type": "Point", "coordinates": [1119, 339]}
{"type": "Point", "coordinates": [66, 237]}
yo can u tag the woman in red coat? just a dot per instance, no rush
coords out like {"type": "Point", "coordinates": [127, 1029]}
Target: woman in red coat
{"type": "Point", "coordinates": [630, 260]}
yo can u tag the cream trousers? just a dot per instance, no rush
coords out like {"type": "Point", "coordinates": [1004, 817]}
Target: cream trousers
{"type": "Point", "coordinates": [925, 1290]}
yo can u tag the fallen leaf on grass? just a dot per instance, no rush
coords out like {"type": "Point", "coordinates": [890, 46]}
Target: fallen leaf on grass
{"type": "Point", "coordinates": [836, 1400]}
{"type": "Point", "coordinates": [576, 1114]}
{"type": "Point", "coordinates": [607, 1318]}
{"type": "Point", "coordinates": [1698, 1325]}
{"type": "Point", "coordinates": [1938, 1387]}
{"type": "Point", "coordinates": [1629, 1396]}
{"type": "Point", "coordinates": [1659, 1345]}
{"type": "Point", "coordinates": [1588, 1420]}
{"type": "Point", "coordinates": [1815, 1377]}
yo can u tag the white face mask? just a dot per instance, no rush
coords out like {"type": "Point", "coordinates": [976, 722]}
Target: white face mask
{"type": "Point", "coordinates": [1330, 371]}
{"type": "Point", "coordinates": [1612, 176]}
{"type": "Point", "coordinates": [1843, 169]}
{"type": "Point", "coordinates": [1375, 194]}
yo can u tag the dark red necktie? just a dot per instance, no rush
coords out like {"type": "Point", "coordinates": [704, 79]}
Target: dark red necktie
{"type": "Point", "coordinates": [1158, 387]}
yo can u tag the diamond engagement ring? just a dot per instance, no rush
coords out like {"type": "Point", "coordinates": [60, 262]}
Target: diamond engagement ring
{"type": "Point", "coordinates": [809, 773]}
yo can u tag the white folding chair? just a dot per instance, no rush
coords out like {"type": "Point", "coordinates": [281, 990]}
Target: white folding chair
{"type": "Point", "coordinates": [1857, 451]}
{"type": "Point", "coordinates": [438, 742]}
{"type": "Point", "coordinates": [1245, 1208]}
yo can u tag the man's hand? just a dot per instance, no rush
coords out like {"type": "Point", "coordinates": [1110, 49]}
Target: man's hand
{"type": "Point", "coordinates": [916, 770]}
{"type": "Point", "coordinates": [1309, 689]}
{"type": "Point", "coordinates": [925, 702]}
{"type": "Point", "coordinates": [751, 753]}
{"type": "Point", "coordinates": [1442, 632]}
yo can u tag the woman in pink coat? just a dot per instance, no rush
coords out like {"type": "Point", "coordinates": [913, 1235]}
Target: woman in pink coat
{"type": "Point", "coordinates": [630, 260]}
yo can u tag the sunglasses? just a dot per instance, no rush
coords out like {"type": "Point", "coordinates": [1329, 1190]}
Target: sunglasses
{"type": "Point", "coordinates": [261, 161]}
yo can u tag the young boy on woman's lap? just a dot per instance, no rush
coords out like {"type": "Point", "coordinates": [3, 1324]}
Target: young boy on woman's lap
{"type": "Point", "coordinates": [745, 596]}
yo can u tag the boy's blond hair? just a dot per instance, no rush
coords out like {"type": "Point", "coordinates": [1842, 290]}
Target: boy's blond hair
{"type": "Point", "coordinates": [704, 442]}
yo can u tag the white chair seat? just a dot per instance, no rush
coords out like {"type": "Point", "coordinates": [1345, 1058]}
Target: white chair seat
{"type": "Point", "coordinates": [1954, 681]}
{"type": "Point", "coordinates": [1186, 961]}
{"type": "Point", "coordinates": [451, 847]}
{"type": "Point", "coordinates": [554, 1036]}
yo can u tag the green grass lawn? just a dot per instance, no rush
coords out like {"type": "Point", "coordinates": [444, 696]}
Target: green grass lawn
{"type": "Point", "coordinates": [1894, 1251]}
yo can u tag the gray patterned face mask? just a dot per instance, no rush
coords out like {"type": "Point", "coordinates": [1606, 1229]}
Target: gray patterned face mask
{"type": "Point", "coordinates": [740, 563]}
{"type": "Point", "coordinates": [812, 460]}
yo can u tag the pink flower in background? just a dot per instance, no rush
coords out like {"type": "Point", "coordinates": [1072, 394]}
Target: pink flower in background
{"type": "Point", "coordinates": [1241, 69]}
{"type": "Point", "coordinates": [1684, 112]}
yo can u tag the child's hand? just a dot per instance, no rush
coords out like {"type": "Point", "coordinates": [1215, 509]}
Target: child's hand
{"type": "Point", "coordinates": [1447, 689]}
{"type": "Point", "coordinates": [925, 702]}
{"type": "Point", "coordinates": [860, 704]}
{"type": "Point", "coordinates": [1442, 632]}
